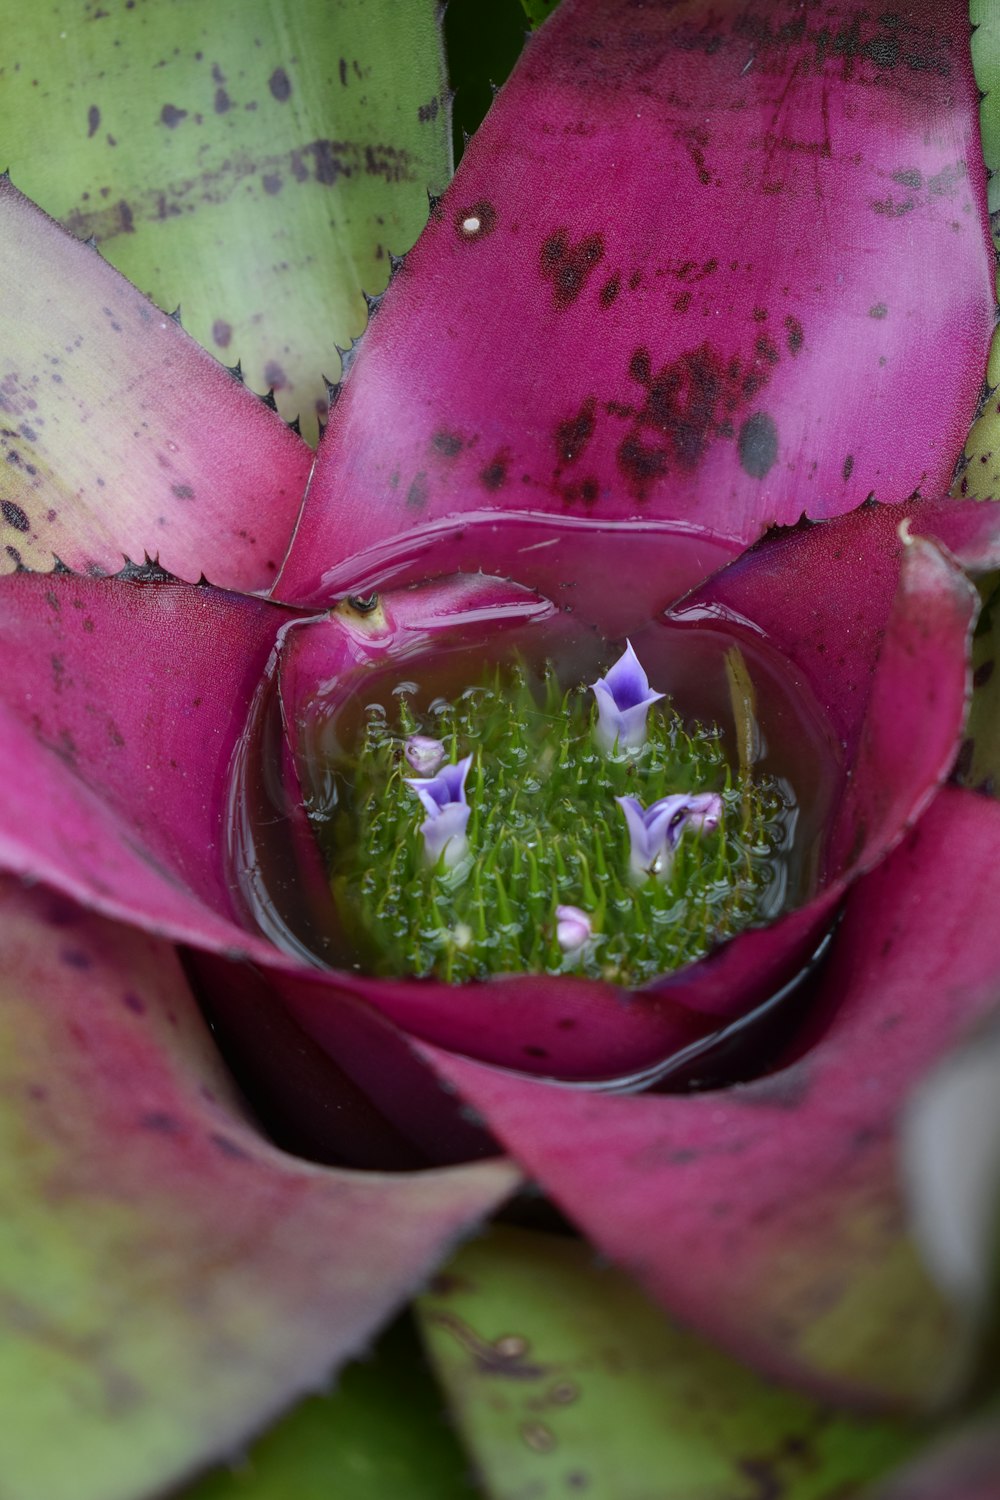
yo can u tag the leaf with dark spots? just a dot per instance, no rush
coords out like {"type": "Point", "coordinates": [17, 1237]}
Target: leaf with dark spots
{"type": "Point", "coordinates": [280, 85]}
{"type": "Point", "coordinates": [494, 475]}
{"type": "Point", "coordinates": [573, 435]}
{"type": "Point", "coordinates": [820, 115]}
{"type": "Point", "coordinates": [689, 404]}
{"type": "Point", "coordinates": [476, 220]}
{"type": "Point", "coordinates": [448, 444]}
{"type": "Point", "coordinates": [758, 445]}
{"type": "Point", "coordinates": [556, 1365]}
{"type": "Point", "coordinates": [416, 495]}
{"type": "Point", "coordinates": [225, 145]}
{"type": "Point", "coordinates": [96, 488]}
{"type": "Point", "coordinates": [569, 267]}
{"type": "Point", "coordinates": [170, 1241]}
{"type": "Point", "coordinates": [14, 516]}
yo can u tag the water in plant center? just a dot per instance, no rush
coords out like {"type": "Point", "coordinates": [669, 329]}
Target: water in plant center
{"type": "Point", "coordinates": [546, 878]}
{"type": "Point", "coordinates": [479, 812]}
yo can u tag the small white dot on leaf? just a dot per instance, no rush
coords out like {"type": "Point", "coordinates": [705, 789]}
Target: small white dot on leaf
{"type": "Point", "coordinates": [472, 225]}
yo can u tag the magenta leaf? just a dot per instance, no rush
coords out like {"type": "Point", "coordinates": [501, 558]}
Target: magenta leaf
{"type": "Point", "coordinates": [120, 708]}
{"type": "Point", "coordinates": [348, 1090]}
{"type": "Point", "coordinates": [120, 436]}
{"type": "Point", "coordinates": [771, 1217]}
{"type": "Point", "coordinates": [695, 266]}
{"type": "Point", "coordinates": [169, 1281]}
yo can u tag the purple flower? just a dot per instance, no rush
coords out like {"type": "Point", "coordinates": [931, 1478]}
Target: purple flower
{"type": "Point", "coordinates": [704, 812]}
{"type": "Point", "coordinates": [573, 928]}
{"type": "Point", "coordinates": [623, 701]}
{"type": "Point", "coordinates": [443, 800]}
{"type": "Point", "coordinates": [655, 831]}
{"type": "Point", "coordinates": [424, 753]}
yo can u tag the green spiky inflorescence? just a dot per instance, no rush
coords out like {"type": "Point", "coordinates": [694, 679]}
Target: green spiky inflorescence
{"type": "Point", "coordinates": [544, 831]}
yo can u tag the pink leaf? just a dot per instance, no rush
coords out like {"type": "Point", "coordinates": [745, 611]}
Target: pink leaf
{"type": "Point", "coordinates": [698, 266]}
{"type": "Point", "coordinates": [120, 708]}
{"type": "Point", "coordinates": [119, 436]}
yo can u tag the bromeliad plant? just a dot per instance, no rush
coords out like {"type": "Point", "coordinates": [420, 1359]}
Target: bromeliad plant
{"type": "Point", "coordinates": [573, 412]}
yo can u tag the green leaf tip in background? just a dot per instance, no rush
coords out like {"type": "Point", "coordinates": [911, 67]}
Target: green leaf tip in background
{"type": "Point", "coordinates": [381, 1435]}
{"type": "Point", "coordinates": [979, 478]}
{"type": "Point", "coordinates": [255, 163]}
{"type": "Point", "coordinates": [564, 1380]}
{"type": "Point", "coordinates": [979, 758]}
{"type": "Point", "coordinates": [985, 17]}
{"type": "Point", "coordinates": [538, 10]}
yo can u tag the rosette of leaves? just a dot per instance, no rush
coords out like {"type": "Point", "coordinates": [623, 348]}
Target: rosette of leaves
{"type": "Point", "coordinates": [702, 271]}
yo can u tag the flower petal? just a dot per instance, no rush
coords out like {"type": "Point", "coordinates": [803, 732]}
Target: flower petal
{"type": "Point", "coordinates": [741, 218]}
{"type": "Point", "coordinates": [121, 438]}
{"type": "Point", "coordinates": [169, 1281]}
{"type": "Point", "coordinates": [771, 1216]}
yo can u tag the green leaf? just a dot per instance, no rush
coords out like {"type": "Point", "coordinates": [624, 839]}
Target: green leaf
{"type": "Point", "coordinates": [537, 10]}
{"type": "Point", "coordinates": [986, 61]}
{"type": "Point", "coordinates": [255, 163]}
{"type": "Point", "coordinates": [169, 1281]}
{"type": "Point", "coordinates": [564, 1380]}
{"type": "Point", "coordinates": [381, 1433]}
{"type": "Point", "coordinates": [980, 477]}
{"type": "Point", "coordinates": [979, 759]}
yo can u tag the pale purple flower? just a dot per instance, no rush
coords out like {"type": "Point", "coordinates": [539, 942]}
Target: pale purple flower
{"type": "Point", "coordinates": [704, 812]}
{"type": "Point", "coordinates": [443, 800]}
{"type": "Point", "coordinates": [654, 832]}
{"type": "Point", "coordinates": [573, 928]}
{"type": "Point", "coordinates": [623, 701]}
{"type": "Point", "coordinates": [424, 753]}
